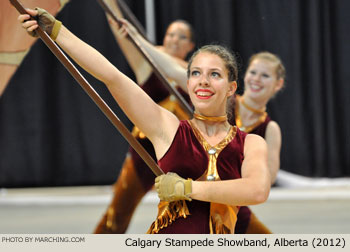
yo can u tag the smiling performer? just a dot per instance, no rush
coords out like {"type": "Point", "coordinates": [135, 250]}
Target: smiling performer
{"type": "Point", "coordinates": [263, 79]}
{"type": "Point", "coordinates": [211, 167]}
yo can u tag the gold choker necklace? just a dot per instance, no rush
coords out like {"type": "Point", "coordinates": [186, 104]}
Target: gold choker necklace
{"type": "Point", "coordinates": [258, 111]}
{"type": "Point", "coordinates": [210, 118]}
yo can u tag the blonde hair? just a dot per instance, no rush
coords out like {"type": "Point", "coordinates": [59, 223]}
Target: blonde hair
{"type": "Point", "coordinates": [280, 69]}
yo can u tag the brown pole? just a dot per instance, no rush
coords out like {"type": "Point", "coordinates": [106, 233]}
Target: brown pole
{"type": "Point", "coordinates": [131, 17]}
{"type": "Point", "coordinates": [184, 104]}
{"type": "Point", "coordinates": [93, 95]}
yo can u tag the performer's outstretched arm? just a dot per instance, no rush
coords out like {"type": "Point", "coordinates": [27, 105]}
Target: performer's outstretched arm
{"type": "Point", "coordinates": [130, 97]}
{"type": "Point", "coordinates": [209, 79]}
{"type": "Point", "coordinates": [139, 65]}
{"type": "Point", "coordinates": [174, 68]}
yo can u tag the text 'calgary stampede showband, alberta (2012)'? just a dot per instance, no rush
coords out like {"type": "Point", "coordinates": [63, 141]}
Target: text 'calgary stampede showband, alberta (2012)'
{"type": "Point", "coordinates": [219, 242]}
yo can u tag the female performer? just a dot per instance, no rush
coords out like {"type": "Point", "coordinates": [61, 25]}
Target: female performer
{"type": "Point", "coordinates": [264, 77]}
{"type": "Point", "coordinates": [211, 167]}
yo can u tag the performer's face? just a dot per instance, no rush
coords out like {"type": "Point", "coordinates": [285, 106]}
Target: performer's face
{"type": "Point", "coordinates": [208, 84]}
{"type": "Point", "coordinates": [260, 80]}
{"type": "Point", "coordinates": [177, 40]}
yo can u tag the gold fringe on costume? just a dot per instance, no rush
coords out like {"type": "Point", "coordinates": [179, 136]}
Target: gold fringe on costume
{"type": "Point", "coordinates": [223, 218]}
{"type": "Point", "coordinates": [167, 213]}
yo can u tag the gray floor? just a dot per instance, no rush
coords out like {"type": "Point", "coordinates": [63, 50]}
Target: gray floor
{"type": "Point", "coordinates": [77, 210]}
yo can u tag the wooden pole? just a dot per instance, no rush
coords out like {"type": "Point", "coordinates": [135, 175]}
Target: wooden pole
{"type": "Point", "coordinates": [131, 17]}
{"type": "Point", "coordinates": [172, 90]}
{"type": "Point", "coordinates": [93, 94]}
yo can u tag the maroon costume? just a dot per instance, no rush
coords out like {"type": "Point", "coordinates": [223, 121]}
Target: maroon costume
{"type": "Point", "coordinates": [135, 178]}
{"type": "Point", "coordinates": [193, 164]}
{"type": "Point", "coordinates": [156, 90]}
{"type": "Point", "coordinates": [244, 214]}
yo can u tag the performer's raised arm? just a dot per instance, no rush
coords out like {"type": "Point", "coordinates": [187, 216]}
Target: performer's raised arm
{"type": "Point", "coordinates": [128, 94]}
{"type": "Point", "coordinates": [141, 68]}
{"type": "Point", "coordinates": [175, 68]}
{"type": "Point", "coordinates": [211, 165]}
{"type": "Point", "coordinates": [134, 172]}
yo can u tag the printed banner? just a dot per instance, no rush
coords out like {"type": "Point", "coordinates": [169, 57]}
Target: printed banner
{"type": "Point", "coordinates": [125, 242]}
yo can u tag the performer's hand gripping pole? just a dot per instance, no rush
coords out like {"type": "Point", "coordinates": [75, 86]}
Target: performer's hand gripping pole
{"type": "Point", "coordinates": [93, 94]}
{"type": "Point", "coordinates": [172, 90]}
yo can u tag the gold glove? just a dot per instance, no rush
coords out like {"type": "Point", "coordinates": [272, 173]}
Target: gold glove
{"type": "Point", "coordinates": [48, 23]}
{"type": "Point", "coordinates": [171, 187]}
